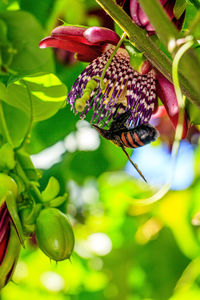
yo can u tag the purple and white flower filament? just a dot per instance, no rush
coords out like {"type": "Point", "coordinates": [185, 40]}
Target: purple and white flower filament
{"type": "Point", "coordinates": [125, 89]}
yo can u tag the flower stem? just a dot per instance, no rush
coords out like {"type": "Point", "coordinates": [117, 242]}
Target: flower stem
{"type": "Point", "coordinates": [110, 59]}
{"type": "Point", "coordinates": [29, 185]}
{"type": "Point", "coordinates": [4, 127]}
{"type": "Point", "coordinates": [92, 84]}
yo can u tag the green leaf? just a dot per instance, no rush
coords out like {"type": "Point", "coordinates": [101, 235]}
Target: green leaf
{"type": "Point", "coordinates": [179, 8]}
{"type": "Point", "coordinates": [196, 3]}
{"type": "Point", "coordinates": [38, 96]}
{"type": "Point", "coordinates": [12, 208]}
{"type": "Point", "coordinates": [58, 201]}
{"type": "Point", "coordinates": [193, 113]}
{"type": "Point", "coordinates": [4, 77]}
{"type": "Point", "coordinates": [8, 4]}
{"type": "Point", "coordinates": [41, 14]}
{"type": "Point", "coordinates": [82, 164]}
{"type": "Point", "coordinates": [2, 91]}
{"type": "Point", "coordinates": [52, 189]}
{"type": "Point", "coordinates": [3, 32]}
{"type": "Point", "coordinates": [19, 181]}
{"type": "Point", "coordinates": [15, 116]}
{"type": "Point", "coordinates": [28, 216]}
{"type": "Point", "coordinates": [136, 57]}
{"type": "Point", "coordinates": [65, 122]}
{"type": "Point", "coordinates": [27, 165]}
{"type": "Point", "coordinates": [24, 33]}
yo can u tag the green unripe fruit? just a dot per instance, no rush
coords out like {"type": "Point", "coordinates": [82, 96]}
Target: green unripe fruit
{"type": "Point", "coordinates": [7, 184]}
{"type": "Point", "coordinates": [54, 234]}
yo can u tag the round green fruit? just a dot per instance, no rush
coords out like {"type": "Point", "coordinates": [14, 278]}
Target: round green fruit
{"type": "Point", "coordinates": [54, 234]}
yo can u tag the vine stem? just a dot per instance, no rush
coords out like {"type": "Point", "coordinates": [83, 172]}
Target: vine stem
{"type": "Point", "coordinates": [110, 59]}
{"type": "Point", "coordinates": [92, 84]}
{"type": "Point", "coordinates": [19, 170]}
{"type": "Point", "coordinates": [4, 126]}
{"type": "Point", "coordinates": [181, 100]}
{"type": "Point", "coordinates": [28, 183]}
{"type": "Point", "coordinates": [189, 275]}
{"type": "Point", "coordinates": [31, 116]}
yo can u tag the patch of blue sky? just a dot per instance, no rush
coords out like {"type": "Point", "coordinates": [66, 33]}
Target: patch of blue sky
{"type": "Point", "coordinates": [155, 164]}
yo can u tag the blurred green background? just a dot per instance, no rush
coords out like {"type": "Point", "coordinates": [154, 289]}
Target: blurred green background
{"type": "Point", "coordinates": [123, 250]}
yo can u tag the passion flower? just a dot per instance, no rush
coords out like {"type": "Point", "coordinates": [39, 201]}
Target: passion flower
{"type": "Point", "coordinates": [54, 234]}
{"type": "Point", "coordinates": [124, 88]}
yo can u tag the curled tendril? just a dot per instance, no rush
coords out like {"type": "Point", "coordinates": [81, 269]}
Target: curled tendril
{"type": "Point", "coordinates": [179, 129]}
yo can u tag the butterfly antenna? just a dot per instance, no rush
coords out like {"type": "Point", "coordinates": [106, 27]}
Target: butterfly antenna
{"type": "Point", "coordinates": [134, 165]}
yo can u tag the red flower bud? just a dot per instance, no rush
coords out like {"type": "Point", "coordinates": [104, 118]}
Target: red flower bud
{"type": "Point", "coordinates": [140, 18]}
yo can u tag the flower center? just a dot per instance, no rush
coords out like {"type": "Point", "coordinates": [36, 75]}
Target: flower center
{"type": "Point", "coordinates": [124, 89]}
